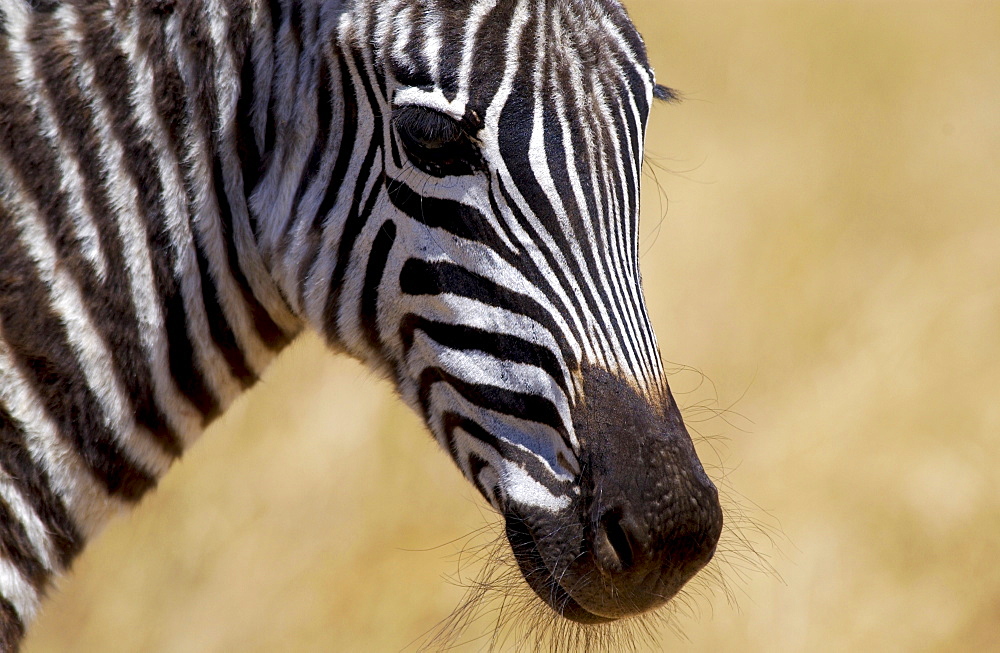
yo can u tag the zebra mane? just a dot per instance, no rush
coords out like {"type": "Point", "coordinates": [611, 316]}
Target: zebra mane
{"type": "Point", "coordinates": [666, 94]}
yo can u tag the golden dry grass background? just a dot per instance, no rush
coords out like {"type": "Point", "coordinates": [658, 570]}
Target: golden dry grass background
{"type": "Point", "coordinates": [830, 259]}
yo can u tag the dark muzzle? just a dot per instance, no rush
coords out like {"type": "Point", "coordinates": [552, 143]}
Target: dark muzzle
{"type": "Point", "coordinates": [645, 520]}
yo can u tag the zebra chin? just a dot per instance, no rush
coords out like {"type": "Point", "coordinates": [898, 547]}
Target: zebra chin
{"type": "Point", "coordinates": [645, 520]}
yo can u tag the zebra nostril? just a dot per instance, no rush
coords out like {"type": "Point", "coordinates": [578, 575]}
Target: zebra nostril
{"type": "Point", "coordinates": [612, 546]}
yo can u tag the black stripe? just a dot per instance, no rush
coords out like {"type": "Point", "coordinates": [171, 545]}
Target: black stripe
{"type": "Point", "coordinates": [632, 133]}
{"type": "Point", "coordinates": [324, 120]}
{"type": "Point", "coordinates": [11, 627]}
{"type": "Point", "coordinates": [517, 257]}
{"type": "Point", "coordinates": [16, 547]}
{"type": "Point", "coordinates": [246, 142]}
{"type": "Point", "coordinates": [357, 217]}
{"type": "Point", "coordinates": [169, 95]}
{"type": "Point", "coordinates": [180, 353]}
{"type": "Point", "coordinates": [419, 277]}
{"type": "Point", "coordinates": [75, 119]}
{"type": "Point", "coordinates": [352, 229]}
{"type": "Point", "coordinates": [499, 345]}
{"type": "Point", "coordinates": [202, 108]}
{"type": "Point", "coordinates": [270, 124]}
{"type": "Point", "coordinates": [295, 24]}
{"type": "Point", "coordinates": [451, 421]}
{"type": "Point", "coordinates": [328, 140]}
{"type": "Point", "coordinates": [41, 350]}
{"type": "Point", "coordinates": [610, 298]}
{"type": "Point", "coordinates": [218, 325]}
{"type": "Point", "coordinates": [270, 333]}
{"type": "Point", "coordinates": [114, 80]}
{"type": "Point", "coordinates": [489, 64]}
{"type": "Point", "coordinates": [345, 147]}
{"type": "Point", "coordinates": [34, 485]}
{"type": "Point", "coordinates": [394, 150]}
{"type": "Point", "coordinates": [43, 6]}
{"type": "Point", "coordinates": [642, 335]}
{"type": "Point", "coordinates": [515, 149]}
{"type": "Point", "coordinates": [542, 281]}
{"type": "Point", "coordinates": [476, 465]}
{"type": "Point", "coordinates": [456, 218]}
{"type": "Point", "coordinates": [530, 408]}
{"type": "Point", "coordinates": [555, 150]}
{"type": "Point", "coordinates": [377, 259]}
{"type": "Point", "coordinates": [381, 85]}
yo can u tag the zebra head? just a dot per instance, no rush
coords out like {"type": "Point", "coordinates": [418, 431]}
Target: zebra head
{"type": "Point", "coordinates": [481, 249]}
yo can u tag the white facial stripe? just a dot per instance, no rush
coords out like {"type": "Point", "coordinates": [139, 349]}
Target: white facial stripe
{"type": "Point", "coordinates": [465, 444]}
{"type": "Point", "coordinates": [476, 367]}
{"type": "Point", "coordinates": [532, 438]}
{"type": "Point", "coordinates": [476, 16]}
{"type": "Point", "coordinates": [432, 44]}
{"type": "Point", "coordinates": [499, 271]}
{"type": "Point", "coordinates": [493, 319]}
{"type": "Point", "coordinates": [523, 490]}
{"type": "Point", "coordinates": [432, 99]}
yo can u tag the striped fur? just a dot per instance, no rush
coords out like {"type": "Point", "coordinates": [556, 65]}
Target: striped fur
{"type": "Point", "coordinates": [187, 184]}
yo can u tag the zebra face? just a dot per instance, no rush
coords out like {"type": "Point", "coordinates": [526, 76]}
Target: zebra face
{"type": "Point", "coordinates": [447, 189]}
{"type": "Point", "coordinates": [507, 302]}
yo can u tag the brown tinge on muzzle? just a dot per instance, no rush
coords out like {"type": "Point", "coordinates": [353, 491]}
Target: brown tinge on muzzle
{"type": "Point", "coordinates": [647, 517]}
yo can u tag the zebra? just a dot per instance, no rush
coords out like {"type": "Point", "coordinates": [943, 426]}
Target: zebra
{"type": "Point", "coordinates": [447, 190]}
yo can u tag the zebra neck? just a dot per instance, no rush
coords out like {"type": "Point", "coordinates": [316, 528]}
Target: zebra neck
{"type": "Point", "coordinates": [316, 119]}
{"type": "Point", "coordinates": [134, 302]}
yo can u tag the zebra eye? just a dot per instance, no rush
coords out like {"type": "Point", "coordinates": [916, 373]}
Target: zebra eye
{"type": "Point", "coordinates": [435, 142]}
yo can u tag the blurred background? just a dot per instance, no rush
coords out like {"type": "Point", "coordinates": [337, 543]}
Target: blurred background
{"type": "Point", "coordinates": [821, 255]}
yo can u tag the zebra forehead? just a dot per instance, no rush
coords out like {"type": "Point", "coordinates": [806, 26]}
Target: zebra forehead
{"type": "Point", "coordinates": [423, 42]}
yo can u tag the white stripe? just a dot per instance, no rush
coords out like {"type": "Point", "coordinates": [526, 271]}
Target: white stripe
{"type": "Point", "coordinates": [475, 19]}
{"type": "Point", "coordinates": [522, 489]}
{"type": "Point", "coordinates": [531, 438]}
{"type": "Point", "coordinates": [479, 368]}
{"type": "Point", "coordinates": [124, 200]}
{"type": "Point", "coordinates": [261, 53]}
{"type": "Point", "coordinates": [317, 279]}
{"type": "Point", "coordinates": [491, 148]}
{"type": "Point", "coordinates": [70, 478]}
{"type": "Point", "coordinates": [440, 245]}
{"type": "Point", "coordinates": [433, 98]}
{"type": "Point", "coordinates": [539, 163]}
{"type": "Point", "coordinates": [348, 318]}
{"type": "Point", "coordinates": [302, 234]}
{"type": "Point", "coordinates": [37, 532]}
{"type": "Point", "coordinates": [652, 369]}
{"type": "Point", "coordinates": [15, 588]}
{"type": "Point", "coordinates": [70, 178]}
{"type": "Point", "coordinates": [404, 31]}
{"type": "Point", "coordinates": [471, 190]}
{"type": "Point", "coordinates": [478, 315]}
{"type": "Point", "coordinates": [294, 131]}
{"type": "Point", "coordinates": [295, 123]}
{"type": "Point", "coordinates": [205, 214]}
{"type": "Point", "coordinates": [612, 227]}
{"type": "Point", "coordinates": [488, 477]}
{"type": "Point", "coordinates": [432, 27]}
{"type": "Point", "coordinates": [91, 351]}
{"type": "Point", "coordinates": [208, 358]}
{"type": "Point", "coordinates": [227, 90]}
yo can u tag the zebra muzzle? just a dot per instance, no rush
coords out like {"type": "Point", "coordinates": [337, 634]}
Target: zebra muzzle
{"type": "Point", "coordinates": [646, 518]}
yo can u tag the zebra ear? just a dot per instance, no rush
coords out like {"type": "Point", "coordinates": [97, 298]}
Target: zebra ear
{"type": "Point", "coordinates": [661, 92]}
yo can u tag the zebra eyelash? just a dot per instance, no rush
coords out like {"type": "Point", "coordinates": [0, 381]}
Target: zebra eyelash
{"type": "Point", "coordinates": [436, 143]}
